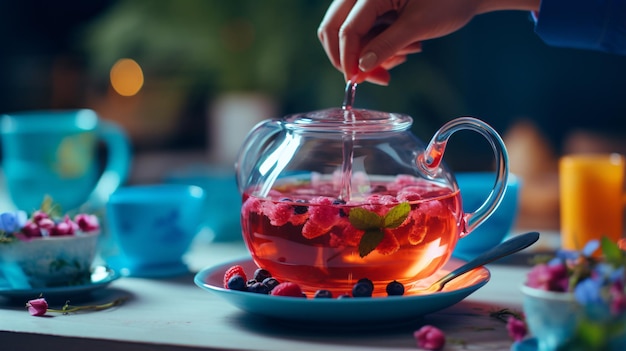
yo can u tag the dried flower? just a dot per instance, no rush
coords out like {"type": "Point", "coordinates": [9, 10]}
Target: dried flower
{"type": "Point", "coordinates": [430, 338]}
{"type": "Point", "coordinates": [517, 328]}
{"type": "Point", "coordinates": [37, 307]}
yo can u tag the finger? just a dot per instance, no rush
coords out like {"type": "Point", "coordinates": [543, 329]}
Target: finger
{"type": "Point", "coordinates": [359, 22]}
{"type": "Point", "coordinates": [393, 62]}
{"type": "Point", "coordinates": [328, 31]}
{"type": "Point", "coordinates": [395, 40]}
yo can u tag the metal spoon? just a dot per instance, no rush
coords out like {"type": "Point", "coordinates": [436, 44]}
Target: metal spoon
{"type": "Point", "coordinates": [513, 245]}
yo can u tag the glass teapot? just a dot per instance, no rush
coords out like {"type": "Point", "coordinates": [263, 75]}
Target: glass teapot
{"type": "Point", "coordinates": [336, 195]}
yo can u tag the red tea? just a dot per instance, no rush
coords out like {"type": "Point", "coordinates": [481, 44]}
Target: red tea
{"type": "Point", "coordinates": [404, 229]}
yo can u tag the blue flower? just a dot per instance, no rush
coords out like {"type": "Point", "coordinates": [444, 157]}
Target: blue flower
{"type": "Point", "coordinates": [589, 291]}
{"type": "Point", "coordinates": [12, 221]}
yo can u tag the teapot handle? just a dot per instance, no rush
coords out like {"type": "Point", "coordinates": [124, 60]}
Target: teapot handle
{"type": "Point", "coordinates": [254, 145]}
{"type": "Point", "coordinates": [428, 162]}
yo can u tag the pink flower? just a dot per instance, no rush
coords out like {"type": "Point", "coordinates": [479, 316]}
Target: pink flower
{"type": "Point", "coordinates": [86, 222]}
{"type": "Point", "coordinates": [37, 216]}
{"type": "Point", "coordinates": [550, 277]}
{"type": "Point", "coordinates": [429, 338]}
{"type": "Point", "coordinates": [516, 328]}
{"type": "Point", "coordinates": [37, 307]}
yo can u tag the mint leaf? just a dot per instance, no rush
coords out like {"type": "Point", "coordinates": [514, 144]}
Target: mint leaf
{"type": "Point", "coordinates": [363, 219]}
{"type": "Point", "coordinates": [370, 239]}
{"type": "Point", "coordinates": [397, 215]}
{"type": "Point", "coordinates": [611, 252]}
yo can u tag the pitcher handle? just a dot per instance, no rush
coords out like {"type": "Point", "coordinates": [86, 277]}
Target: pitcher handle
{"type": "Point", "coordinates": [117, 165]}
{"type": "Point", "coordinates": [429, 161]}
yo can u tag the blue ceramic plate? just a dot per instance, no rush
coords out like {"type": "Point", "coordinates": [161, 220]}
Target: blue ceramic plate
{"type": "Point", "coordinates": [393, 309]}
{"type": "Point", "coordinates": [100, 278]}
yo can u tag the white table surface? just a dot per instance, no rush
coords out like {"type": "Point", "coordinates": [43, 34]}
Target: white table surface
{"type": "Point", "coordinates": [174, 314]}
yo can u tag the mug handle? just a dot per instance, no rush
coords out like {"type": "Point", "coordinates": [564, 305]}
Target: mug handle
{"type": "Point", "coordinates": [118, 162]}
{"type": "Point", "coordinates": [428, 162]}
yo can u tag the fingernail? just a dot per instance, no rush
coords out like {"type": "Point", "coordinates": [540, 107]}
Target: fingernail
{"type": "Point", "coordinates": [368, 61]}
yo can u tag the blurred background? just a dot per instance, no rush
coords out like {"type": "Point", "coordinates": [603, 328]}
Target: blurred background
{"type": "Point", "coordinates": [173, 73]}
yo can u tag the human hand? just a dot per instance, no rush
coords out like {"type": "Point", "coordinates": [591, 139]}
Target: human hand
{"type": "Point", "coordinates": [364, 39]}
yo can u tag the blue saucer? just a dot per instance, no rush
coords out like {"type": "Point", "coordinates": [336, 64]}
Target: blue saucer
{"type": "Point", "coordinates": [100, 278]}
{"type": "Point", "coordinates": [128, 269]}
{"type": "Point", "coordinates": [529, 344]}
{"type": "Point", "coordinates": [354, 312]}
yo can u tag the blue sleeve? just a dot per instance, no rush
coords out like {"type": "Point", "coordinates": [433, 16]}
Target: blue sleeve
{"type": "Point", "coordinates": [583, 24]}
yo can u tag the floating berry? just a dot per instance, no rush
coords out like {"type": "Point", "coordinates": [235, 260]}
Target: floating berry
{"type": "Point", "coordinates": [271, 283]}
{"type": "Point", "coordinates": [261, 274]}
{"type": "Point", "coordinates": [323, 294]}
{"type": "Point", "coordinates": [236, 282]}
{"type": "Point", "coordinates": [362, 289]}
{"type": "Point", "coordinates": [287, 289]}
{"type": "Point", "coordinates": [395, 288]}
{"type": "Point", "coordinates": [300, 209]}
{"type": "Point", "coordinates": [232, 271]}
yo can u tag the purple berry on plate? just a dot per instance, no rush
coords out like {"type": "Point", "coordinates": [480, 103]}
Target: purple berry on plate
{"type": "Point", "coordinates": [323, 294]}
{"type": "Point", "coordinates": [362, 289]}
{"type": "Point", "coordinates": [344, 296]}
{"type": "Point", "coordinates": [271, 283]}
{"type": "Point", "coordinates": [237, 282]}
{"type": "Point", "coordinates": [395, 288]}
{"type": "Point", "coordinates": [258, 288]}
{"type": "Point", "coordinates": [261, 274]}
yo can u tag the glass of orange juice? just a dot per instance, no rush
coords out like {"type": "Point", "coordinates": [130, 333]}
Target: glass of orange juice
{"type": "Point", "coordinates": [591, 198]}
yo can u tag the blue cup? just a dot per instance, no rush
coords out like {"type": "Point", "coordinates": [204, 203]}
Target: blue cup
{"type": "Point", "coordinates": [54, 153]}
{"type": "Point", "coordinates": [152, 227]}
{"type": "Point", "coordinates": [221, 213]}
{"type": "Point", "coordinates": [474, 188]}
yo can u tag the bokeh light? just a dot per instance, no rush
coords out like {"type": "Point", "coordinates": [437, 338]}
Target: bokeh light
{"type": "Point", "coordinates": [126, 77]}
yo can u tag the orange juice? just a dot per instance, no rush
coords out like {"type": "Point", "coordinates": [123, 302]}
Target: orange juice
{"type": "Point", "coordinates": [591, 198]}
{"type": "Point", "coordinates": [301, 235]}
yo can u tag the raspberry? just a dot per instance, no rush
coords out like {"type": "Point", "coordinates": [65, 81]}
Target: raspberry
{"type": "Point", "coordinates": [287, 289]}
{"type": "Point", "coordinates": [232, 271]}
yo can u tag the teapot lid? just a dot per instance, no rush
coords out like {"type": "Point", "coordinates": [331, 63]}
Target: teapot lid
{"type": "Point", "coordinates": [348, 120]}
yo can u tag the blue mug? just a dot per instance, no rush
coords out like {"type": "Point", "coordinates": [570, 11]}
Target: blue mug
{"type": "Point", "coordinates": [54, 153]}
{"type": "Point", "coordinates": [151, 227]}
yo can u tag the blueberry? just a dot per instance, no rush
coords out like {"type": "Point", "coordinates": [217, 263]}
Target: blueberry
{"type": "Point", "coordinates": [236, 282]}
{"type": "Point", "coordinates": [395, 289]}
{"type": "Point", "coordinates": [300, 209]}
{"type": "Point", "coordinates": [258, 288]}
{"type": "Point", "coordinates": [367, 281]}
{"type": "Point", "coordinates": [342, 213]}
{"type": "Point", "coordinates": [344, 296]}
{"type": "Point", "coordinates": [250, 282]}
{"type": "Point", "coordinates": [323, 294]}
{"type": "Point", "coordinates": [362, 289]}
{"type": "Point", "coordinates": [260, 274]}
{"type": "Point", "coordinates": [270, 282]}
